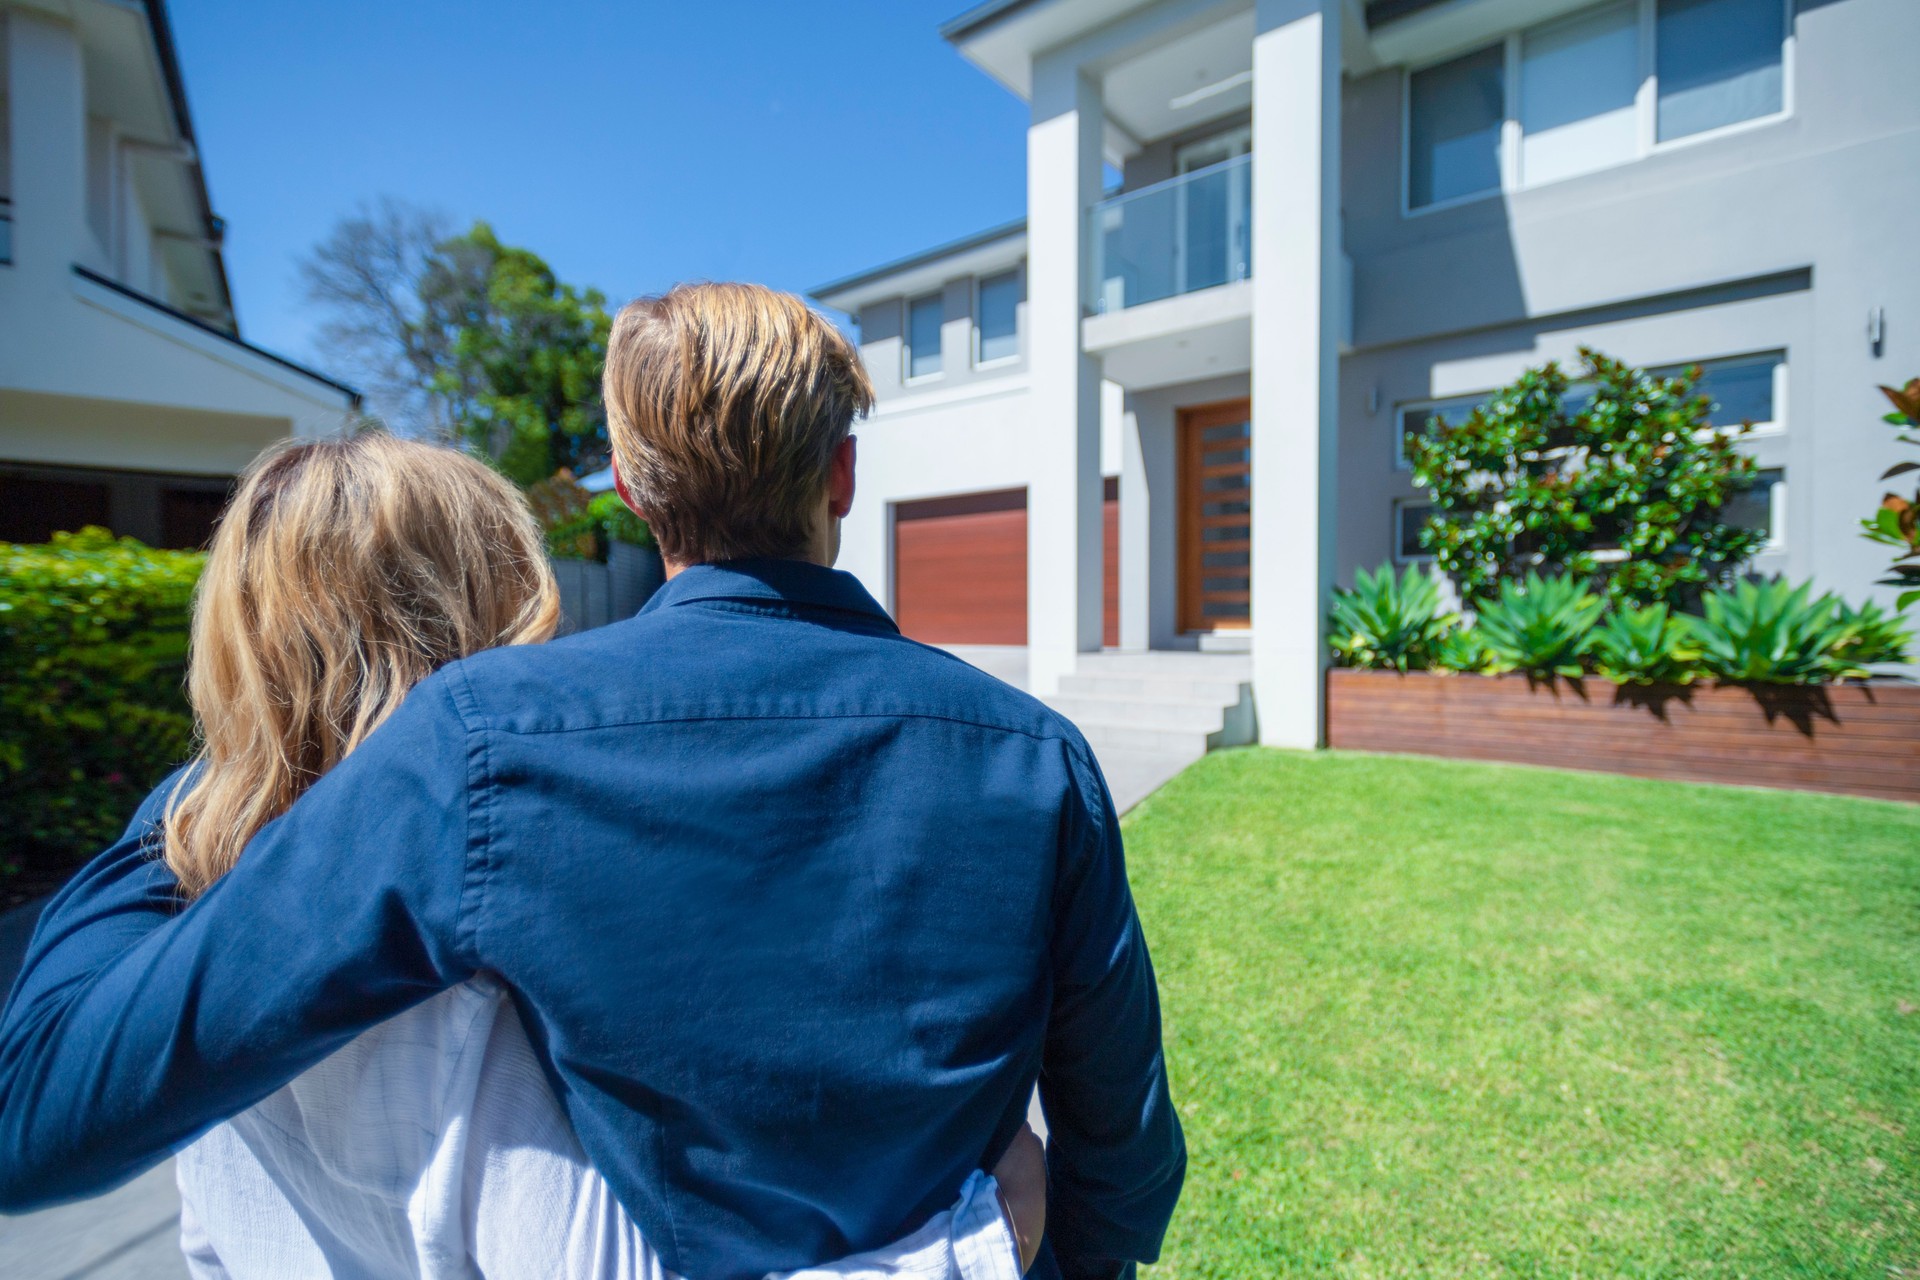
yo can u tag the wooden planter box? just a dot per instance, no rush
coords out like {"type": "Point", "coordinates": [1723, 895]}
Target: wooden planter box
{"type": "Point", "coordinates": [1861, 739]}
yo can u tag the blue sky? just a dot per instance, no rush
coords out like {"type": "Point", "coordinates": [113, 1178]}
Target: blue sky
{"type": "Point", "coordinates": [632, 144]}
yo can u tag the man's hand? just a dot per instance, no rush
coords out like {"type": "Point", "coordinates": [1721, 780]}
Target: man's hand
{"type": "Point", "coordinates": [1022, 1175]}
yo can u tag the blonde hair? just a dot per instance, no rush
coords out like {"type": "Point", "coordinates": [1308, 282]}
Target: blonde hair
{"type": "Point", "coordinates": [343, 573]}
{"type": "Point", "coordinates": [725, 403]}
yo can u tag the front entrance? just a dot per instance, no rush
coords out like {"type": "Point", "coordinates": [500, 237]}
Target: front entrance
{"type": "Point", "coordinates": [1216, 505]}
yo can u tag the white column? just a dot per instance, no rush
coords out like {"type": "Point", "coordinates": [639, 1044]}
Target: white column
{"type": "Point", "coordinates": [1136, 534]}
{"type": "Point", "coordinates": [1063, 497]}
{"type": "Point", "coordinates": [1296, 280]}
{"type": "Point", "coordinates": [47, 126]}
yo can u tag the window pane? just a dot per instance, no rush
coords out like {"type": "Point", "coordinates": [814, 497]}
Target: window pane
{"type": "Point", "coordinates": [1719, 63]}
{"type": "Point", "coordinates": [1741, 388]}
{"type": "Point", "coordinates": [999, 316]}
{"type": "Point", "coordinates": [1754, 508]}
{"type": "Point", "coordinates": [923, 336]}
{"type": "Point", "coordinates": [1409, 519]}
{"type": "Point", "coordinates": [1454, 114]}
{"type": "Point", "coordinates": [1577, 82]}
{"type": "Point", "coordinates": [1418, 419]}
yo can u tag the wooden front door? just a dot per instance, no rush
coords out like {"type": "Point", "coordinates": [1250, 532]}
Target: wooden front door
{"type": "Point", "coordinates": [1216, 504]}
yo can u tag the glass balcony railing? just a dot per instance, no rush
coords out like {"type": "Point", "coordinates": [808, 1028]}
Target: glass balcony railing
{"type": "Point", "coordinates": [1187, 233]}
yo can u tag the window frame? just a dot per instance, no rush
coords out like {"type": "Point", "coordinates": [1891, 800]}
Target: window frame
{"type": "Point", "coordinates": [908, 378]}
{"type": "Point", "coordinates": [1646, 104]}
{"type": "Point", "coordinates": [1018, 272]}
{"type": "Point", "coordinates": [1400, 507]}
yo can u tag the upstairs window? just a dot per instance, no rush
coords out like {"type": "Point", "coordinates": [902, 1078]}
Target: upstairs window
{"type": "Point", "coordinates": [998, 318]}
{"type": "Point", "coordinates": [1719, 63]}
{"type": "Point", "coordinates": [1455, 112]}
{"type": "Point", "coordinates": [1602, 87]}
{"type": "Point", "coordinates": [924, 318]}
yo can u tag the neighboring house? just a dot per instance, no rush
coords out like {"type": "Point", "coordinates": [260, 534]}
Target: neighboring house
{"type": "Point", "coordinates": [1334, 220]}
{"type": "Point", "coordinates": [127, 397]}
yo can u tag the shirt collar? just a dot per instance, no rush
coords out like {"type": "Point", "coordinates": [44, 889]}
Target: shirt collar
{"type": "Point", "coordinates": [790, 582]}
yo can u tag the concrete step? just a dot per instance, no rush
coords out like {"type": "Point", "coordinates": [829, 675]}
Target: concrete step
{"type": "Point", "coordinates": [1106, 736]}
{"type": "Point", "coordinates": [1219, 692]}
{"type": "Point", "coordinates": [1140, 711]}
{"type": "Point", "coordinates": [1218, 666]}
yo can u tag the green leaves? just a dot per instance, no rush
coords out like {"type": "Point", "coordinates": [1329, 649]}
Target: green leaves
{"type": "Point", "coordinates": [1542, 626]}
{"type": "Point", "coordinates": [1620, 481]}
{"type": "Point", "coordinates": [93, 642]}
{"type": "Point", "coordinates": [1647, 645]}
{"type": "Point", "coordinates": [1774, 633]}
{"type": "Point", "coordinates": [1897, 522]}
{"type": "Point", "coordinates": [1384, 622]}
{"type": "Point", "coordinates": [1761, 632]}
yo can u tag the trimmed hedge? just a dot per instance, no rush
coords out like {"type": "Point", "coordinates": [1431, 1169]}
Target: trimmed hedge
{"type": "Point", "coordinates": [93, 713]}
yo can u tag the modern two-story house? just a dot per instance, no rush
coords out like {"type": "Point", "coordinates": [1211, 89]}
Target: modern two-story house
{"type": "Point", "coordinates": [127, 397]}
{"type": "Point", "coordinates": [1167, 414]}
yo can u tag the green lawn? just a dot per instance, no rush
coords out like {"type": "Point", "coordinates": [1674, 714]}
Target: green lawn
{"type": "Point", "coordinates": [1439, 1019]}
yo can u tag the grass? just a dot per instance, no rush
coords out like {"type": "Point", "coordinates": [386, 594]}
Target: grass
{"type": "Point", "coordinates": [1437, 1019]}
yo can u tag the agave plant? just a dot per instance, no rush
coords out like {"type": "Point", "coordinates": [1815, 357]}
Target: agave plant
{"type": "Point", "coordinates": [1872, 636]}
{"type": "Point", "coordinates": [1770, 632]}
{"type": "Point", "coordinates": [1462, 650]}
{"type": "Point", "coordinates": [1645, 646]}
{"type": "Point", "coordinates": [1388, 622]}
{"type": "Point", "coordinates": [1543, 626]}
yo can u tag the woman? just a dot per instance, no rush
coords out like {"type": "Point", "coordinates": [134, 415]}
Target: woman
{"type": "Point", "coordinates": [344, 572]}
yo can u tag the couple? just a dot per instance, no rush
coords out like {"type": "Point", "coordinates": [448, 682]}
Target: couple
{"type": "Point", "coordinates": [727, 940]}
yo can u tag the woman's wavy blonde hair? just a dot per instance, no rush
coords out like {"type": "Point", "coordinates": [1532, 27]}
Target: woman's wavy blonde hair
{"type": "Point", "coordinates": [343, 573]}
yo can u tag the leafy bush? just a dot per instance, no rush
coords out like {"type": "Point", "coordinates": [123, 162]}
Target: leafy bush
{"type": "Point", "coordinates": [1386, 622]}
{"type": "Point", "coordinates": [563, 509]}
{"type": "Point", "coordinates": [1621, 485]}
{"type": "Point", "coordinates": [1462, 650]}
{"type": "Point", "coordinates": [1773, 633]}
{"type": "Point", "coordinates": [1648, 645]}
{"type": "Point", "coordinates": [1543, 626]}
{"type": "Point", "coordinates": [1872, 636]}
{"type": "Point", "coordinates": [617, 521]}
{"type": "Point", "coordinates": [93, 642]}
{"type": "Point", "coordinates": [1897, 522]}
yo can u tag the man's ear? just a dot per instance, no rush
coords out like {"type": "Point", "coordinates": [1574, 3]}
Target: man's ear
{"type": "Point", "coordinates": [840, 480]}
{"type": "Point", "coordinates": [620, 487]}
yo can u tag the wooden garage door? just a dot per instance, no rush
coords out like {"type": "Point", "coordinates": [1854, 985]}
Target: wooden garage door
{"type": "Point", "coordinates": [960, 568]}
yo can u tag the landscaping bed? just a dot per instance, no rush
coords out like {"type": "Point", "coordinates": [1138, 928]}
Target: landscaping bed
{"type": "Point", "coordinates": [1859, 738]}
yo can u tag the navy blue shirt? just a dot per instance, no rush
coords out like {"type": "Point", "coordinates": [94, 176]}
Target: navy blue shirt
{"type": "Point", "coordinates": [795, 911]}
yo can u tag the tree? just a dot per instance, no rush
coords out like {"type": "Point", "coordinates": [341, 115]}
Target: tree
{"type": "Point", "coordinates": [522, 379]}
{"type": "Point", "coordinates": [464, 339]}
{"type": "Point", "coordinates": [1623, 484]}
{"type": "Point", "coordinates": [365, 278]}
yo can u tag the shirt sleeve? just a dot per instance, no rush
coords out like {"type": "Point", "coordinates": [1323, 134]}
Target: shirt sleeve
{"type": "Point", "coordinates": [1116, 1157]}
{"type": "Point", "coordinates": [134, 1026]}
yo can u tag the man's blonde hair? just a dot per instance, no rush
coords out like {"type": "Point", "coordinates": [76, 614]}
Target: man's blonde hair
{"type": "Point", "coordinates": [725, 403]}
{"type": "Point", "coordinates": [343, 573]}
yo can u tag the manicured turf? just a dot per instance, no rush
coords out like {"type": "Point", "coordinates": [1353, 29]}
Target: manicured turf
{"type": "Point", "coordinates": [1438, 1019]}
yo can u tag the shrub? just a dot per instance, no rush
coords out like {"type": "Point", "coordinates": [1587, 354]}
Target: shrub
{"type": "Point", "coordinates": [562, 508]}
{"type": "Point", "coordinates": [1872, 636]}
{"type": "Point", "coordinates": [1386, 622]}
{"type": "Point", "coordinates": [93, 642]}
{"type": "Point", "coordinates": [617, 521]}
{"type": "Point", "coordinates": [1461, 650]}
{"type": "Point", "coordinates": [1773, 633]}
{"type": "Point", "coordinates": [1648, 645]}
{"type": "Point", "coordinates": [1897, 522]}
{"type": "Point", "coordinates": [1621, 486]}
{"type": "Point", "coordinates": [1541, 625]}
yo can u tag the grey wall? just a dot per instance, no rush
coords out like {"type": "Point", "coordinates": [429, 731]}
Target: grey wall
{"type": "Point", "coordinates": [1781, 236]}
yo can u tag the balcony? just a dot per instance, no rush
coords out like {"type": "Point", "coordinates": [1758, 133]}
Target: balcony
{"type": "Point", "coordinates": [1188, 233]}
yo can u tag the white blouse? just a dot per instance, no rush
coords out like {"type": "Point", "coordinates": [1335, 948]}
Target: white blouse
{"type": "Point", "coordinates": [432, 1147]}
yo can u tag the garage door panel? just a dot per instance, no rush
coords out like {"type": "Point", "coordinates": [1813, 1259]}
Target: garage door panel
{"type": "Point", "coordinates": [960, 576]}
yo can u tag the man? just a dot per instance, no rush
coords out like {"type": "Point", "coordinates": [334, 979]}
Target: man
{"type": "Point", "coordinates": [795, 910]}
